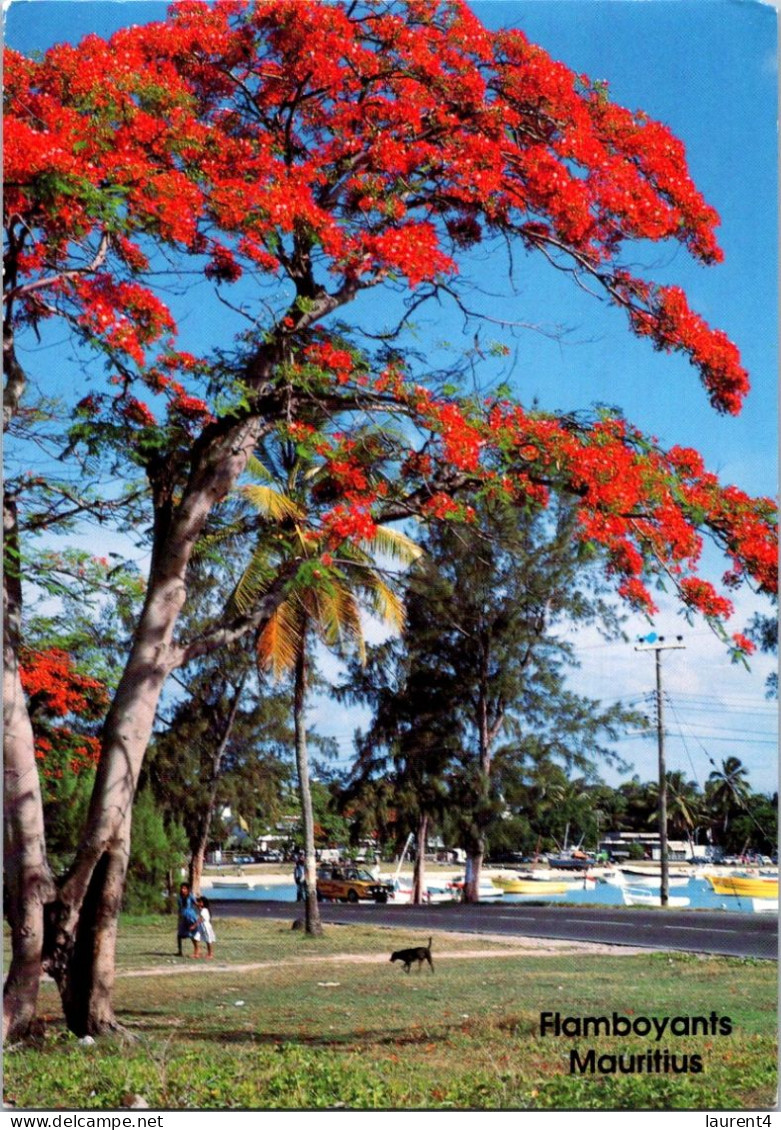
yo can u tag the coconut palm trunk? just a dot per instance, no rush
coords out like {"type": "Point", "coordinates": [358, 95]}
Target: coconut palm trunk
{"type": "Point", "coordinates": [312, 923]}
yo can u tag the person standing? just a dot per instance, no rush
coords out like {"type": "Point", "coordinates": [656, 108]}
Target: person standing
{"type": "Point", "coordinates": [205, 932]}
{"type": "Point", "coordinates": [188, 917]}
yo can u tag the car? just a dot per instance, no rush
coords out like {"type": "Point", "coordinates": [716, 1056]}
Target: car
{"type": "Point", "coordinates": [349, 884]}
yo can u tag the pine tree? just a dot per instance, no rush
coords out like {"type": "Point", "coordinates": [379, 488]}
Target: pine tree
{"type": "Point", "coordinates": [477, 684]}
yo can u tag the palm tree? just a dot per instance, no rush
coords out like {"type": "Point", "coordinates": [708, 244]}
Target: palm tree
{"type": "Point", "coordinates": [324, 599]}
{"type": "Point", "coordinates": [684, 803]}
{"type": "Point", "coordinates": [727, 789]}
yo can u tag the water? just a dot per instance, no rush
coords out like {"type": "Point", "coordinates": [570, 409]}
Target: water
{"type": "Point", "coordinates": [699, 892]}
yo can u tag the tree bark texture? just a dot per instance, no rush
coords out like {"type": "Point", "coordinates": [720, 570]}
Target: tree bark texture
{"type": "Point", "coordinates": [28, 881]}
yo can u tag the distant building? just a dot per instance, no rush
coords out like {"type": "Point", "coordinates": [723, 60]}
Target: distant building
{"type": "Point", "coordinates": [617, 845]}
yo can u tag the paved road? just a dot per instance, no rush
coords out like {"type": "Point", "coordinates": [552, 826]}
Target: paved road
{"type": "Point", "coordinates": [702, 931]}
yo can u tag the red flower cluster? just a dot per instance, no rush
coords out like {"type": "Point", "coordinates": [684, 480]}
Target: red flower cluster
{"type": "Point", "coordinates": [58, 688]}
{"type": "Point", "coordinates": [702, 596]}
{"type": "Point", "coordinates": [338, 362]}
{"type": "Point", "coordinates": [372, 137]}
{"type": "Point", "coordinates": [349, 145]}
{"type": "Point", "coordinates": [743, 644]}
{"type": "Point", "coordinates": [348, 522]}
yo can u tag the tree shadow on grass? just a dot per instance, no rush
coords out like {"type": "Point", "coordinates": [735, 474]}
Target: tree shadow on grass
{"type": "Point", "coordinates": [347, 1041]}
{"type": "Point", "coordinates": [160, 953]}
{"type": "Point", "coordinates": [131, 1014]}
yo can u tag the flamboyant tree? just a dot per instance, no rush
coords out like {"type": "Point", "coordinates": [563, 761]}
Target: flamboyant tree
{"type": "Point", "coordinates": [306, 153]}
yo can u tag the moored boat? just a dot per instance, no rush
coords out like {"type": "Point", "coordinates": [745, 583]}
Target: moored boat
{"type": "Point", "coordinates": [641, 896]}
{"type": "Point", "coordinates": [622, 877]}
{"type": "Point", "coordinates": [639, 878]}
{"type": "Point", "coordinates": [486, 891]}
{"type": "Point", "coordinates": [749, 886]}
{"type": "Point", "coordinates": [570, 861]}
{"type": "Point", "coordinates": [400, 891]}
{"type": "Point", "coordinates": [764, 906]}
{"type": "Point", "coordinates": [515, 885]}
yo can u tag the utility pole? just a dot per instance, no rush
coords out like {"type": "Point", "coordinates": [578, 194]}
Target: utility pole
{"type": "Point", "coordinates": [658, 644]}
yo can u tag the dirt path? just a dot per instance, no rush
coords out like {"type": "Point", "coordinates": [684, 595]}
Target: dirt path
{"type": "Point", "coordinates": [533, 946]}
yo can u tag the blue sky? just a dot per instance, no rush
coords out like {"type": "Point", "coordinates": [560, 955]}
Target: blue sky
{"type": "Point", "coordinates": [708, 69]}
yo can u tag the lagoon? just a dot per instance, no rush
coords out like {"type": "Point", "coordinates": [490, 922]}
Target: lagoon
{"type": "Point", "coordinates": [698, 891]}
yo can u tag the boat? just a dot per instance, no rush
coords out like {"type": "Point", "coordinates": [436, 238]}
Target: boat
{"type": "Point", "coordinates": [400, 886]}
{"type": "Point", "coordinates": [486, 891]}
{"type": "Point", "coordinates": [570, 858]}
{"type": "Point", "coordinates": [575, 862]}
{"type": "Point", "coordinates": [575, 880]}
{"type": "Point", "coordinates": [400, 891]}
{"type": "Point", "coordinates": [641, 896]}
{"type": "Point", "coordinates": [749, 886]}
{"type": "Point", "coordinates": [764, 906]}
{"type": "Point", "coordinates": [621, 877]}
{"type": "Point", "coordinates": [232, 884]}
{"type": "Point", "coordinates": [515, 885]}
{"type": "Point", "coordinates": [640, 878]}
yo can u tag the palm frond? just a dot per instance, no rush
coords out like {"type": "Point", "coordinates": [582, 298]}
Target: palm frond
{"type": "Point", "coordinates": [215, 539]}
{"type": "Point", "coordinates": [386, 603]}
{"type": "Point", "coordinates": [272, 503]}
{"type": "Point", "coordinates": [393, 543]}
{"type": "Point", "coordinates": [253, 582]}
{"type": "Point", "coordinates": [280, 641]}
{"type": "Point", "coordinates": [258, 469]}
{"type": "Point", "coordinates": [338, 617]}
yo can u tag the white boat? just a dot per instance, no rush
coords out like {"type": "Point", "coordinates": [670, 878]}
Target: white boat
{"type": "Point", "coordinates": [232, 884]}
{"type": "Point", "coordinates": [400, 891]}
{"type": "Point", "coordinates": [764, 906]}
{"type": "Point", "coordinates": [641, 896]}
{"type": "Point", "coordinates": [638, 878]}
{"type": "Point", "coordinates": [620, 877]}
{"type": "Point", "coordinates": [400, 886]}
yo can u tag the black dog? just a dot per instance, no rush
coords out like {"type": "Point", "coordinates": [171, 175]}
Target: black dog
{"type": "Point", "coordinates": [417, 953]}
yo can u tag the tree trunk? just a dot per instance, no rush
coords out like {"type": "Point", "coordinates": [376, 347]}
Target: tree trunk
{"type": "Point", "coordinates": [86, 977]}
{"type": "Point", "coordinates": [419, 873]}
{"type": "Point", "coordinates": [82, 926]}
{"type": "Point", "coordinates": [312, 922]}
{"type": "Point", "coordinates": [28, 881]}
{"type": "Point", "coordinates": [474, 867]}
{"type": "Point", "coordinates": [487, 732]}
{"type": "Point", "coordinates": [83, 920]}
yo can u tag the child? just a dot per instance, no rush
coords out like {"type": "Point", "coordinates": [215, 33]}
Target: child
{"type": "Point", "coordinates": [205, 932]}
{"type": "Point", "coordinates": [188, 918]}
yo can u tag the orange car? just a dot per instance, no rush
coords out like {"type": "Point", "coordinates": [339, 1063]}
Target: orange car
{"type": "Point", "coordinates": [349, 884]}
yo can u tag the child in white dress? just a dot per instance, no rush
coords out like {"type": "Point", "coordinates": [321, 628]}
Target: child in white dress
{"type": "Point", "coordinates": [205, 932]}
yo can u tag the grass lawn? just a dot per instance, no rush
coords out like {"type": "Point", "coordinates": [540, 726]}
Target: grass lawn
{"type": "Point", "coordinates": [330, 1022]}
